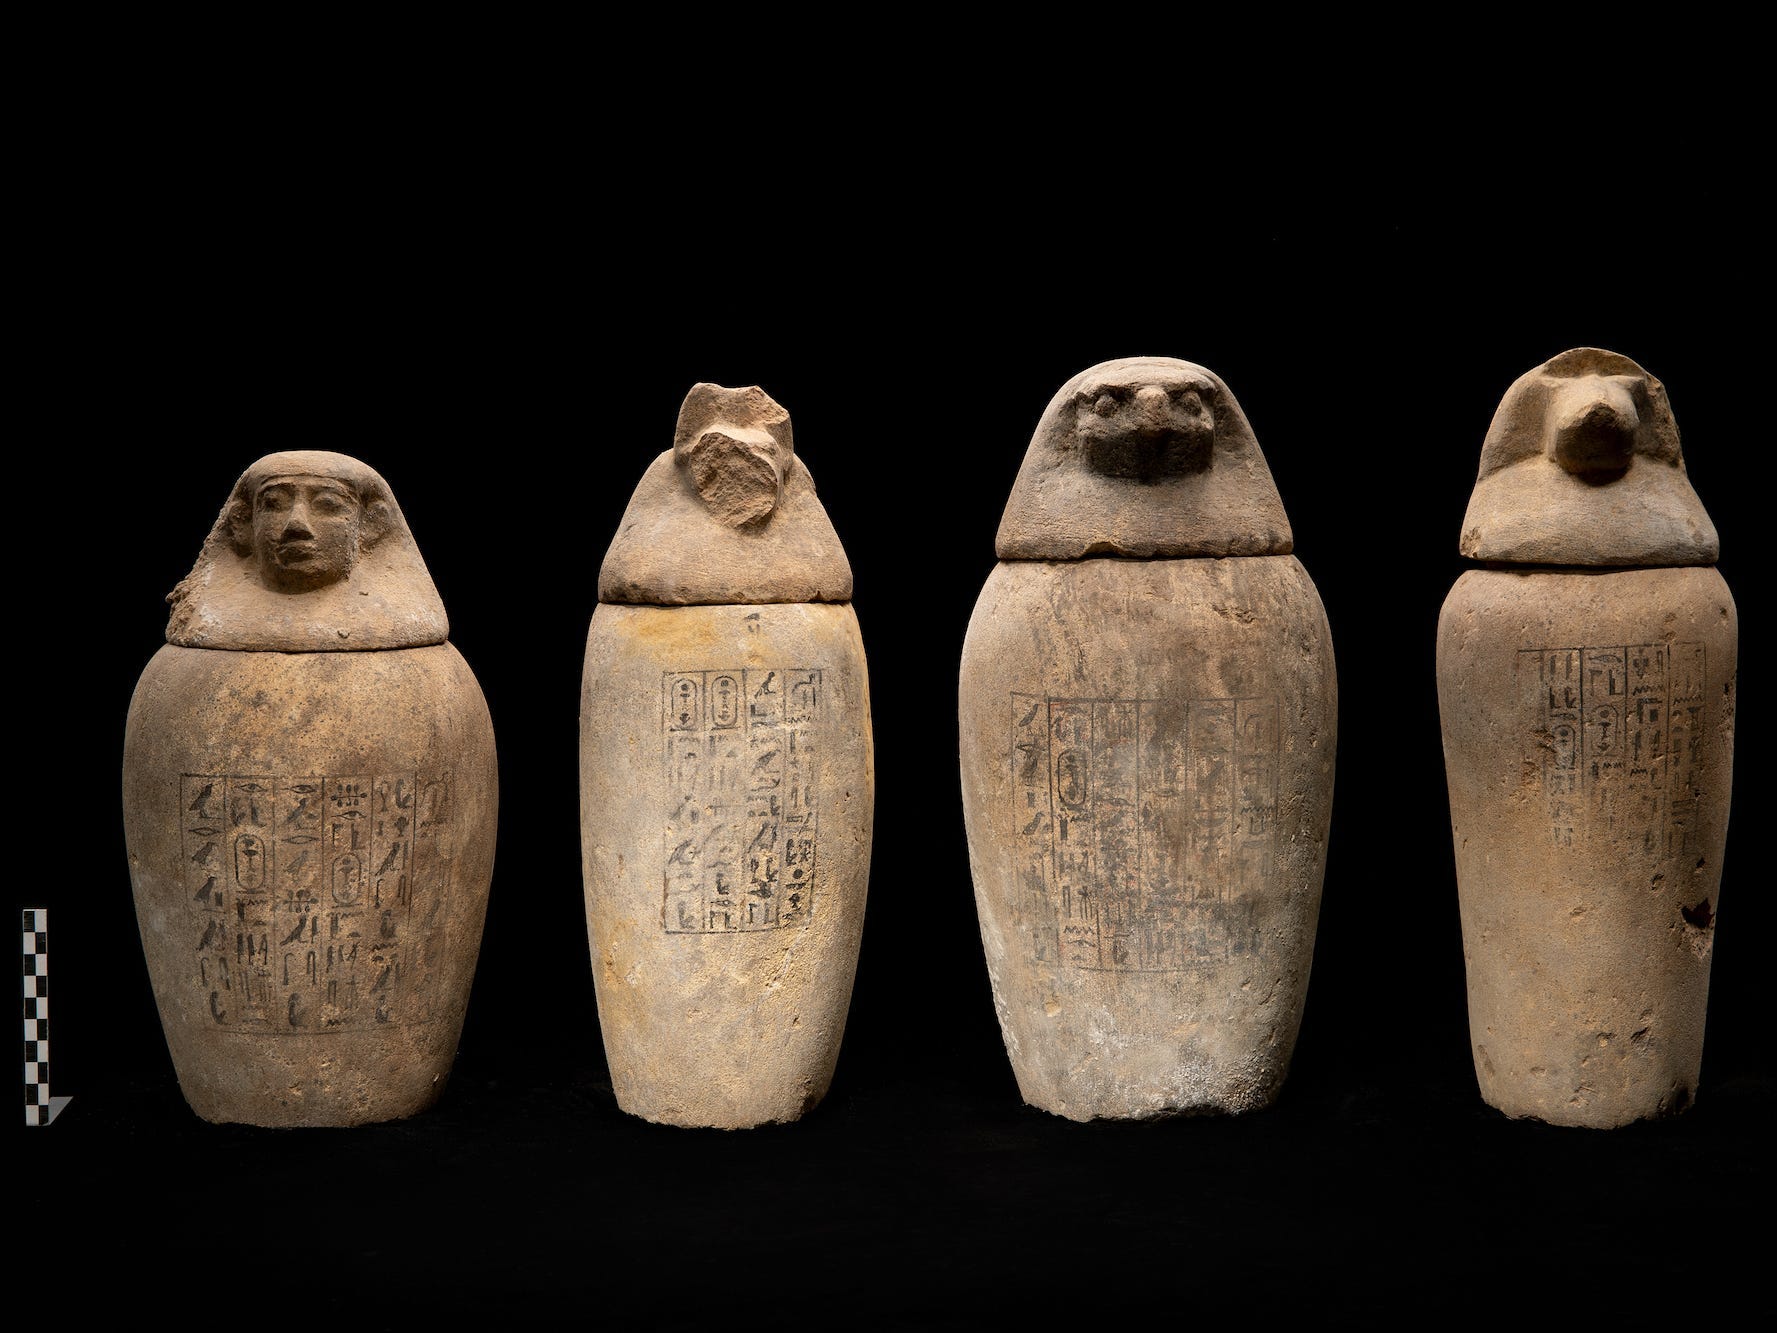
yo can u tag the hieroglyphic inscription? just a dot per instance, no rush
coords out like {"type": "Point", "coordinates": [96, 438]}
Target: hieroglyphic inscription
{"type": "Point", "coordinates": [742, 769]}
{"type": "Point", "coordinates": [1614, 736]}
{"type": "Point", "coordinates": [1148, 827]}
{"type": "Point", "coordinates": [317, 900]}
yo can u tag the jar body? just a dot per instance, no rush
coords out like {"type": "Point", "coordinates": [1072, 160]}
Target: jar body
{"type": "Point", "coordinates": [1588, 721]}
{"type": "Point", "coordinates": [311, 840]}
{"type": "Point", "coordinates": [1147, 765]}
{"type": "Point", "coordinates": [727, 785]}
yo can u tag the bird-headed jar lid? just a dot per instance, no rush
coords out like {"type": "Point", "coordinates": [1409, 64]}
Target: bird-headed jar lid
{"type": "Point", "coordinates": [1146, 456]}
{"type": "Point", "coordinates": [1582, 466]}
{"type": "Point", "coordinates": [309, 554]}
{"type": "Point", "coordinates": [727, 516]}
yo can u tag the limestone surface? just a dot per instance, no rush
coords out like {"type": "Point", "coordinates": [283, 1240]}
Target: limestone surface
{"type": "Point", "coordinates": [1147, 762]}
{"type": "Point", "coordinates": [1147, 756]}
{"type": "Point", "coordinates": [1588, 722]}
{"type": "Point", "coordinates": [1582, 466]}
{"type": "Point", "coordinates": [1148, 457]}
{"type": "Point", "coordinates": [310, 831]}
{"type": "Point", "coordinates": [311, 554]}
{"type": "Point", "coordinates": [727, 779]}
{"type": "Point", "coordinates": [1589, 741]}
{"type": "Point", "coordinates": [727, 515]}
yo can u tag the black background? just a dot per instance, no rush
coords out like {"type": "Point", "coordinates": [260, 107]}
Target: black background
{"type": "Point", "coordinates": [509, 346]}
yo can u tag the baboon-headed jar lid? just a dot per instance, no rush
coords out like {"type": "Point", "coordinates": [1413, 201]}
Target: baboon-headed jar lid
{"type": "Point", "coordinates": [1582, 466]}
{"type": "Point", "coordinates": [727, 516]}
{"type": "Point", "coordinates": [309, 554]}
{"type": "Point", "coordinates": [1146, 456]}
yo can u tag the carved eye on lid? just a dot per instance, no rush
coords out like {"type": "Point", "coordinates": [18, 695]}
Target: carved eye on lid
{"type": "Point", "coordinates": [1105, 405]}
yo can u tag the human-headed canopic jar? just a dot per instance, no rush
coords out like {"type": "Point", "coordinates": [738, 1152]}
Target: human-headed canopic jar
{"type": "Point", "coordinates": [310, 798]}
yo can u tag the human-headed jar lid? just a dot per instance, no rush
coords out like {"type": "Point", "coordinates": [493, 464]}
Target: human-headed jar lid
{"type": "Point", "coordinates": [310, 554]}
{"type": "Point", "coordinates": [1581, 466]}
{"type": "Point", "coordinates": [727, 516]}
{"type": "Point", "coordinates": [1146, 456]}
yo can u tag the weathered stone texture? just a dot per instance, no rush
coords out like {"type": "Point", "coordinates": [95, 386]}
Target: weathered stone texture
{"type": "Point", "coordinates": [1147, 755]}
{"type": "Point", "coordinates": [1143, 457]}
{"type": "Point", "coordinates": [727, 515]}
{"type": "Point", "coordinates": [310, 801]}
{"type": "Point", "coordinates": [1588, 721]}
{"type": "Point", "coordinates": [1589, 740]}
{"type": "Point", "coordinates": [1147, 775]}
{"type": "Point", "coordinates": [346, 577]}
{"type": "Point", "coordinates": [726, 840]}
{"type": "Point", "coordinates": [727, 779]}
{"type": "Point", "coordinates": [1582, 466]}
{"type": "Point", "coordinates": [311, 838]}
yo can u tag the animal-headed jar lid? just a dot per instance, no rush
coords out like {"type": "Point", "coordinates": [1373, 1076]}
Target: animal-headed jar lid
{"type": "Point", "coordinates": [310, 554]}
{"type": "Point", "coordinates": [727, 516]}
{"type": "Point", "coordinates": [1582, 467]}
{"type": "Point", "coordinates": [1146, 456]}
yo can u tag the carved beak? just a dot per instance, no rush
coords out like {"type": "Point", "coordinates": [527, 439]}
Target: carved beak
{"type": "Point", "coordinates": [1594, 433]}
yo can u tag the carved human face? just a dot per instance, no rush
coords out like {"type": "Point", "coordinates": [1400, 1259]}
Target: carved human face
{"type": "Point", "coordinates": [306, 532]}
{"type": "Point", "coordinates": [1147, 423]}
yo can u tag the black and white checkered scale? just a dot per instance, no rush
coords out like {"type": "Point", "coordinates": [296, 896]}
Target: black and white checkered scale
{"type": "Point", "coordinates": [36, 986]}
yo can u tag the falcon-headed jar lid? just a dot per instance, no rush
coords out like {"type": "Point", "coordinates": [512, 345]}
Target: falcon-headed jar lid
{"type": "Point", "coordinates": [727, 516]}
{"type": "Point", "coordinates": [1146, 456]}
{"type": "Point", "coordinates": [1582, 466]}
{"type": "Point", "coordinates": [310, 554]}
